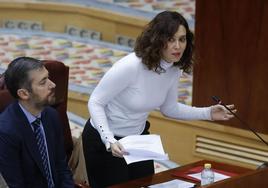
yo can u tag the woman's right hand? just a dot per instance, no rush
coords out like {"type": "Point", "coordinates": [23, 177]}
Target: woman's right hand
{"type": "Point", "coordinates": [118, 150]}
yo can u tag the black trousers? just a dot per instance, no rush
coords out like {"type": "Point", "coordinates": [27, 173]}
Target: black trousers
{"type": "Point", "coordinates": [103, 169]}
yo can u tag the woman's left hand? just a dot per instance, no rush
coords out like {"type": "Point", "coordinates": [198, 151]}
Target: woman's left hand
{"type": "Point", "coordinates": [118, 150]}
{"type": "Point", "coordinates": [218, 112]}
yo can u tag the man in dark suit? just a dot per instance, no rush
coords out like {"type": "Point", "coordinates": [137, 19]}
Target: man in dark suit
{"type": "Point", "coordinates": [31, 140]}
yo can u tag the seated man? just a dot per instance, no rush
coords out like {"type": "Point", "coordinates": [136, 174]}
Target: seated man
{"type": "Point", "coordinates": [31, 140]}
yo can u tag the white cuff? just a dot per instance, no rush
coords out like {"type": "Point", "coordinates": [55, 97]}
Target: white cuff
{"type": "Point", "coordinates": [108, 144]}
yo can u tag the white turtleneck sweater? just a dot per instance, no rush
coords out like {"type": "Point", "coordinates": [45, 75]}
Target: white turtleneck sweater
{"type": "Point", "coordinates": [121, 102]}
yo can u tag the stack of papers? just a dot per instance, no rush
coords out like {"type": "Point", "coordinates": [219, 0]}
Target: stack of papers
{"type": "Point", "coordinates": [143, 147]}
{"type": "Point", "coordinates": [173, 184]}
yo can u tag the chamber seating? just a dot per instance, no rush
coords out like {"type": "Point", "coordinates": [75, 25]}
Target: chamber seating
{"type": "Point", "coordinates": [59, 74]}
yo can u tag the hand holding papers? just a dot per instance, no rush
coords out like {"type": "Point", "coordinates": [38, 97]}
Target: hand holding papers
{"type": "Point", "coordinates": [143, 147]}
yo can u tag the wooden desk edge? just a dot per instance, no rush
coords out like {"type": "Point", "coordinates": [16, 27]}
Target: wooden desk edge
{"type": "Point", "coordinates": [168, 175]}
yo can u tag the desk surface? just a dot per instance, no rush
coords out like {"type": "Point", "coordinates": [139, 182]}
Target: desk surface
{"type": "Point", "coordinates": [168, 175]}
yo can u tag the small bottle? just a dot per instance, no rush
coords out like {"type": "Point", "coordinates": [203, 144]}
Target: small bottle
{"type": "Point", "coordinates": [207, 175]}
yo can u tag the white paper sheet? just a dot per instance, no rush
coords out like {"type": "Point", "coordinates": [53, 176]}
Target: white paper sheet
{"type": "Point", "coordinates": [143, 147]}
{"type": "Point", "coordinates": [217, 176]}
{"type": "Point", "coordinates": [173, 184]}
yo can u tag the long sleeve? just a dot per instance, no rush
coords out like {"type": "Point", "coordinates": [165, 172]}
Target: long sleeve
{"type": "Point", "coordinates": [123, 99]}
{"type": "Point", "coordinates": [171, 108]}
{"type": "Point", "coordinates": [113, 82]}
{"type": "Point", "coordinates": [9, 159]}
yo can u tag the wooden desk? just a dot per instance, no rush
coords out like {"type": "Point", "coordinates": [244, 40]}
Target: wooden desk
{"type": "Point", "coordinates": [167, 175]}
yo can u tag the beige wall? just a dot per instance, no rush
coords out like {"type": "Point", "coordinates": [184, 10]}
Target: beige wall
{"type": "Point", "coordinates": [55, 17]}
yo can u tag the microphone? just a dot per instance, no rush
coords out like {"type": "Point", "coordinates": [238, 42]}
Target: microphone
{"type": "Point", "coordinates": [217, 100]}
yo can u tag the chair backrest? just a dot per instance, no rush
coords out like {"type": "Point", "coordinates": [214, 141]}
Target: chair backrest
{"type": "Point", "coordinates": [59, 74]}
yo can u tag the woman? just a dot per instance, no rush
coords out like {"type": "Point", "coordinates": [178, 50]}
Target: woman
{"type": "Point", "coordinates": [137, 84]}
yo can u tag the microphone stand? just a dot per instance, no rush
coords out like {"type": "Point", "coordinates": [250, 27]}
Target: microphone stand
{"type": "Point", "coordinates": [217, 100]}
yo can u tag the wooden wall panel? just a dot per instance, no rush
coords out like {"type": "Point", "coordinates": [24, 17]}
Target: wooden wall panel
{"type": "Point", "coordinates": [231, 43]}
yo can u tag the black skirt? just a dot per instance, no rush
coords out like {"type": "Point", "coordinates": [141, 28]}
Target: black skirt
{"type": "Point", "coordinates": [103, 169]}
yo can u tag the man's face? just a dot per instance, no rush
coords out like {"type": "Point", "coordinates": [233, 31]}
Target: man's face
{"type": "Point", "coordinates": [43, 89]}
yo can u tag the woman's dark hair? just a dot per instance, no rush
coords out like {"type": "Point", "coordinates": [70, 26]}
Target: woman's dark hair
{"type": "Point", "coordinates": [17, 74]}
{"type": "Point", "coordinates": [153, 40]}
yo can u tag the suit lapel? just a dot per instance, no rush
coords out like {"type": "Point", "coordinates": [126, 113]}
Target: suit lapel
{"type": "Point", "coordinates": [29, 137]}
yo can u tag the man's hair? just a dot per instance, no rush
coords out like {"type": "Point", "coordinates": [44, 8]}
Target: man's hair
{"type": "Point", "coordinates": [17, 74]}
{"type": "Point", "coordinates": [154, 38]}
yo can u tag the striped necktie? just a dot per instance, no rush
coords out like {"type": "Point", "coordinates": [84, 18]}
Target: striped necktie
{"type": "Point", "coordinates": [42, 149]}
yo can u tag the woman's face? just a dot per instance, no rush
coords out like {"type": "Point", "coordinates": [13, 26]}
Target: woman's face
{"type": "Point", "coordinates": [175, 46]}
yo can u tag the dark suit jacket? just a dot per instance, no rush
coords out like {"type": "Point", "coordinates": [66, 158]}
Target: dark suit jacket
{"type": "Point", "coordinates": [20, 161]}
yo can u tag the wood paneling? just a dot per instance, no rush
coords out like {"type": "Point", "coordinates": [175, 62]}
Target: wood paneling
{"type": "Point", "coordinates": [232, 43]}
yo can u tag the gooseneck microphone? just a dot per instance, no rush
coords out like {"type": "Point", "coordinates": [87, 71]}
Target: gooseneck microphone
{"type": "Point", "coordinates": [218, 101]}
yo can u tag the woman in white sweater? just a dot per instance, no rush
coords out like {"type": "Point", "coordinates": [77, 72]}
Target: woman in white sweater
{"type": "Point", "coordinates": [137, 84]}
